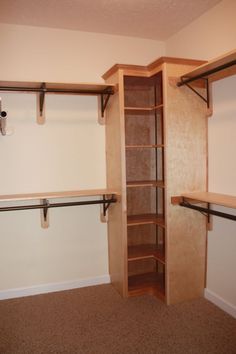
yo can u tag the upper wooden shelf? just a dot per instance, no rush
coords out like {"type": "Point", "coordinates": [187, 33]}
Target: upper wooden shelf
{"type": "Point", "coordinates": [212, 198]}
{"type": "Point", "coordinates": [215, 69]}
{"type": "Point", "coordinates": [63, 88]}
{"type": "Point", "coordinates": [55, 195]}
{"type": "Point", "coordinates": [42, 88]}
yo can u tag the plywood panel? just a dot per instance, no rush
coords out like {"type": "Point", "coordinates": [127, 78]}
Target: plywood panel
{"type": "Point", "coordinates": [115, 157]}
{"type": "Point", "coordinates": [186, 170]}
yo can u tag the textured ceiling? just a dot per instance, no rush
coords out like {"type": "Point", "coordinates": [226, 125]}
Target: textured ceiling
{"type": "Point", "coordinates": [155, 19]}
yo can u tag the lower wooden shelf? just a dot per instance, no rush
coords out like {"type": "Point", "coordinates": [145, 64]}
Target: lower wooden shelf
{"type": "Point", "coordinates": [146, 251]}
{"type": "Point", "coordinates": [146, 219]}
{"type": "Point", "coordinates": [147, 283]}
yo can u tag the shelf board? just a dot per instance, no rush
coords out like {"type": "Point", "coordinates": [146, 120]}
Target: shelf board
{"type": "Point", "coordinates": [215, 69]}
{"type": "Point", "coordinates": [146, 251]}
{"type": "Point", "coordinates": [60, 88]}
{"type": "Point", "coordinates": [148, 146]}
{"type": "Point", "coordinates": [144, 109]}
{"type": "Point", "coordinates": [145, 219]}
{"type": "Point", "coordinates": [145, 183]}
{"type": "Point", "coordinates": [212, 198]}
{"type": "Point", "coordinates": [54, 195]}
{"type": "Point", "coordinates": [148, 283]}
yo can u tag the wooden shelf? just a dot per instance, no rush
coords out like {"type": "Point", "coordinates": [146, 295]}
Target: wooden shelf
{"type": "Point", "coordinates": [146, 183]}
{"type": "Point", "coordinates": [214, 69]}
{"type": "Point", "coordinates": [145, 219]}
{"type": "Point", "coordinates": [150, 146]}
{"type": "Point", "coordinates": [54, 195]}
{"type": "Point", "coordinates": [49, 87]}
{"type": "Point", "coordinates": [146, 251]}
{"type": "Point", "coordinates": [148, 283]}
{"type": "Point", "coordinates": [212, 198]}
{"type": "Point", "coordinates": [144, 109]}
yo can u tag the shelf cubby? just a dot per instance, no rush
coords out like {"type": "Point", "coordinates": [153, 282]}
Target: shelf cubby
{"type": "Point", "coordinates": [146, 276]}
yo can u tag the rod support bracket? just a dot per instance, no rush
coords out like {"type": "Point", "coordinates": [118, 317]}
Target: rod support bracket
{"type": "Point", "coordinates": [41, 104]}
{"type": "Point", "coordinates": [44, 213]}
{"type": "Point", "coordinates": [102, 105]}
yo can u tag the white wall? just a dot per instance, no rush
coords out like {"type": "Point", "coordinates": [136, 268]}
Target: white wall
{"type": "Point", "coordinates": [67, 153]}
{"type": "Point", "coordinates": [212, 35]}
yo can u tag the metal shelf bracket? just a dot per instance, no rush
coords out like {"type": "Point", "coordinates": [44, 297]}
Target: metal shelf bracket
{"type": "Point", "coordinates": [205, 99]}
{"type": "Point", "coordinates": [3, 118]}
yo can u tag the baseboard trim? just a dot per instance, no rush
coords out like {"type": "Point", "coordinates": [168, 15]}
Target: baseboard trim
{"type": "Point", "coordinates": [53, 287]}
{"type": "Point", "coordinates": [220, 302]}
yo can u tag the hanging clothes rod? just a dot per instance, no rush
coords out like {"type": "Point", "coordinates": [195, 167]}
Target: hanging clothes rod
{"type": "Point", "coordinates": [208, 211]}
{"type": "Point", "coordinates": [205, 74]}
{"type": "Point", "coordinates": [48, 205]}
{"type": "Point", "coordinates": [107, 90]}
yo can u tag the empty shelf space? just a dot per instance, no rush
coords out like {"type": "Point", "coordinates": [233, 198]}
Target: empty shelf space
{"type": "Point", "coordinates": [145, 219]}
{"type": "Point", "coordinates": [146, 183]}
{"type": "Point", "coordinates": [151, 283]}
{"type": "Point", "coordinates": [146, 251]}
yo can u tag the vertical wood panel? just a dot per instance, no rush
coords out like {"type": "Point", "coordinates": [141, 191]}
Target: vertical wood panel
{"type": "Point", "coordinates": [186, 170]}
{"type": "Point", "coordinates": [115, 158]}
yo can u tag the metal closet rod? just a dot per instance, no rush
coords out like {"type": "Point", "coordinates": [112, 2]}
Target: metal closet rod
{"type": "Point", "coordinates": [208, 211]}
{"type": "Point", "coordinates": [51, 90]}
{"type": "Point", "coordinates": [57, 205]}
{"type": "Point", "coordinates": [206, 73]}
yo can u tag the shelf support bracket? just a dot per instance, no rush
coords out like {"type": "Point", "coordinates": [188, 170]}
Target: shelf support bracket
{"type": "Point", "coordinates": [40, 104]}
{"type": "Point", "coordinates": [205, 99]}
{"type": "Point", "coordinates": [104, 207]}
{"type": "Point", "coordinates": [3, 118]}
{"type": "Point", "coordinates": [102, 104]}
{"type": "Point", "coordinates": [44, 214]}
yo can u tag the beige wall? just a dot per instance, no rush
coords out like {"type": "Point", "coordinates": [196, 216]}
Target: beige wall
{"type": "Point", "coordinates": [67, 153]}
{"type": "Point", "coordinates": [212, 35]}
{"type": "Point", "coordinates": [209, 36]}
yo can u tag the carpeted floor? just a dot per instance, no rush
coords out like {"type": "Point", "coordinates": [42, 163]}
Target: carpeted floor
{"type": "Point", "coordinates": [97, 320]}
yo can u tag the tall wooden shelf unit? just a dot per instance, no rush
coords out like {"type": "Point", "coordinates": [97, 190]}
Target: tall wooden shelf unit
{"type": "Point", "coordinates": [156, 147]}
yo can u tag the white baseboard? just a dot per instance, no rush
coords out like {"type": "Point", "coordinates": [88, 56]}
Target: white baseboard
{"type": "Point", "coordinates": [53, 287]}
{"type": "Point", "coordinates": [220, 302]}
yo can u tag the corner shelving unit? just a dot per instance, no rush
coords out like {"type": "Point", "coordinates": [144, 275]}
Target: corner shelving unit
{"type": "Point", "coordinates": [150, 152]}
{"type": "Point", "coordinates": [144, 144]}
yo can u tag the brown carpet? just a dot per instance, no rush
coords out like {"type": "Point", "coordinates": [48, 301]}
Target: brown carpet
{"type": "Point", "coordinates": [98, 320]}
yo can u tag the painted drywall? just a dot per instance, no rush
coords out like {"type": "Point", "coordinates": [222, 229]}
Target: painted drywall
{"type": "Point", "coordinates": [67, 153]}
{"type": "Point", "coordinates": [212, 35]}
{"type": "Point", "coordinates": [222, 177]}
{"type": "Point", "coordinates": [33, 53]}
{"type": "Point", "coordinates": [209, 36]}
